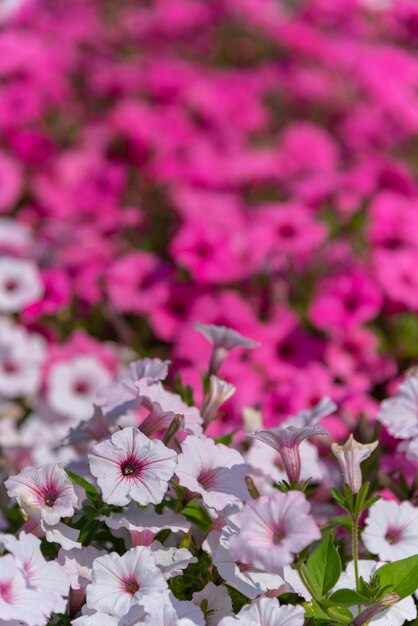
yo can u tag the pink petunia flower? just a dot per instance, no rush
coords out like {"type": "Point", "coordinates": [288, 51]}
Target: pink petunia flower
{"type": "Point", "coordinates": [47, 492]}
{"type": "Point", "coordinates": [77, 565]}
{"type": "Point", "coordinates": [130, 466]}
{"type": "Point", "coordinates": [119, 582]}
{"type": "Point", "coordinates": [214, 471]}
{"type": "Point", "coordinates": [273, 528]}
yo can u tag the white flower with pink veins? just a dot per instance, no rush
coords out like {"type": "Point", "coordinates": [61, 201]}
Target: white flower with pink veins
{"type": "Point", "coordinates": [45, 577]}
{"type": "Point", "coordinates": [129, 466]}
{"type": "Point", "coordinates": [391, 530]}
{"type": "Point", "coordinates": [20, 284]}
{"type": "Point", "coordinates": [214, 471]}
{"type": "Point", "coordinates": [21, 359]}
{"type": "Point", "coordinates": [120, 582]}
{"type": "Point", "coordinates": [266, 612]}
{"type": "Point", "coordinates": [72, 386]}
{"type": "Point", "coordinates": [46, 492]}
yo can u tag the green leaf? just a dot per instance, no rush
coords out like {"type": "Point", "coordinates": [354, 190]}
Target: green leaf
{"type": "Point", "coordinates": [227, 439]}
{"type": "Point", "coordinates": [361, 497]}
{"type": "Point", "coordinates": [347, 597]}
{"type": "Point", "coordinates": [370, 501]}
{"type": "Point", "coordinates": [90, 489]}
{"type": "Point", "coordinates": [349, 496]}
{"type": "Point", "coordinates": [401, 575]}
{"type": "Point", "coordinates": [196, 514]}
{"type": "Point", "coordinates": [341, 614]}
{"type": "Point", "coordinates": [323, 567]}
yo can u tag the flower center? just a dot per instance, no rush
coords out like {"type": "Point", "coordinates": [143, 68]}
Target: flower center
{"type": "Point", "coordinates": [208, 478]}
{"type": "Point", "coordinates": [11, 285]}
{"type": "Point", "coordinates": [131, 586]}
{"type": "Point", "coordinates": [278, 536]}
{"type": "Point", "coordinates": [243, 567]}
{"type": "Point", "coordinates": [131, 467]}
{"type": "Point", "coordinates": [50, 496]}
{"type": "Point", "coordinates": [394, 534]}
{"type": "Point", "coordinates": [6, 592]}
{"type": "Point", "coordinates": [81, 388]}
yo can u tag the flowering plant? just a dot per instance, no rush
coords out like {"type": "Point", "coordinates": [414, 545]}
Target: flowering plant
{"type": "Point", "coordinates": [163, 524]}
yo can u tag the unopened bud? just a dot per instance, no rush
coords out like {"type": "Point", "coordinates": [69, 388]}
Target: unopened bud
{"type": "Point", "coordinates": [252, 489]}
{"type": "Point", "coordinates": [381, 605]}
{"type": "Point", "coordinates": [350, 456]}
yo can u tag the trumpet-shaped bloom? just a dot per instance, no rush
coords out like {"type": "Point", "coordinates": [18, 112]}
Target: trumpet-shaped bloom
{"type": "Point", "coordinates": [129, 466]}
{"type": "Point", "coordinates": [47, 492]}
{"type": "Point", "coordinates": [119, 582]}
{"type": "Point", "coordinates": [215, 471]}
{"type": "Point", "coordinates": [287, 440]}
{"type": "Point", "coordinates": [219, 392]}
{"type": "Point", "coordinates": [273, 529]}
{"type": "Point", "coordinates": [267, 612]}
{"type": "Point", "coordinates": [350, 456]}
{"type": "Point", "coordinates": [223, 340]}
{"type": "Point", "coordinates": [392, 530]}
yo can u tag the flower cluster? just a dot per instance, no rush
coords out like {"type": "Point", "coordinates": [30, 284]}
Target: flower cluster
{"type": "Point", "coordinates": [155, 522]}
{"type": "Point", "coordinates": [233, 163]}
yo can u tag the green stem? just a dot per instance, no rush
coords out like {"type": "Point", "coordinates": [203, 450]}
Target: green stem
{"type": "Point", "coordinates": [354, 526]}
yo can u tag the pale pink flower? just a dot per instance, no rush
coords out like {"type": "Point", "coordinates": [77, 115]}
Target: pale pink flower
{"type": "Point", "coordinates": [17, 602]}
{"type": "Point", "coordinates": [163, 406]}
{"type": "Point", "coordinates": [73, 384]}
{"type": "Point", "coordinates": [268, 468]}
{"type": "Point", "coordinates": [77, 565]}
{"type": "Point", "coordinates": [168, 611]}
{"type": "Point", "coordinates": [245, 578]}
{"type": "Point", "coordinates": [267, 612]}
{"type": "Point", "coordinates": [122, 395]}
{"type": "Point", "coordinates": [47, 492]}
{"type": "Point", "coordinates": [272, 529]}
{"type": "Point", "coordinates": [312, 417]}
{"type": "Point", "coordinates": [45, 577]}
{"type": "Point", "coordinates": [130, 466]}
{"type": "Point", "coordinates": [391, 530]}
{"type": "Point", "coordinates": [20, 284]}
{"type": "Point", "coordinates": [223, 340]}
{"type": "Point", "coordinates": [214, 602]}
{"type": "Point", "coordinates": [399, 414]}
{"type": "Point", "coordinates": [171, 561]}
{"type": "Point", "coordinates": [214, 471]}
{"type": "Point", "coordinates": [119, 582]}
{"type": "Point", "coordinates": [21, 359]}
{"type": "Point", "coordinates": [219, 392]}
{"type": "Point", "coordinates": [141, 525]}
{"type": "Point", "coordinates": [286, 441]}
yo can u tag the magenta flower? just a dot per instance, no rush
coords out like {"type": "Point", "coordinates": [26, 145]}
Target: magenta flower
{"type": "Point", "coordinates": [287, 440]}
{"type": "Point", "coordinates": [214, 471]}
{"type": "Point", "coordinates": [119, 582]}
{"type": "Point", "coordinates": [273, 529]}
{"type": "Point", "coordinates": [129, 466]}
{"type": "Point", "coordinates": [223, 340]}
{"type": "Point", "coordinates": [46, 491]}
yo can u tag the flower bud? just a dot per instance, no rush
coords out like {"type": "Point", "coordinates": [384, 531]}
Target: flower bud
{"type": "Point", "coordinates": [350, 456]}
{"type": "Point", "coordinates": [381, 605]}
